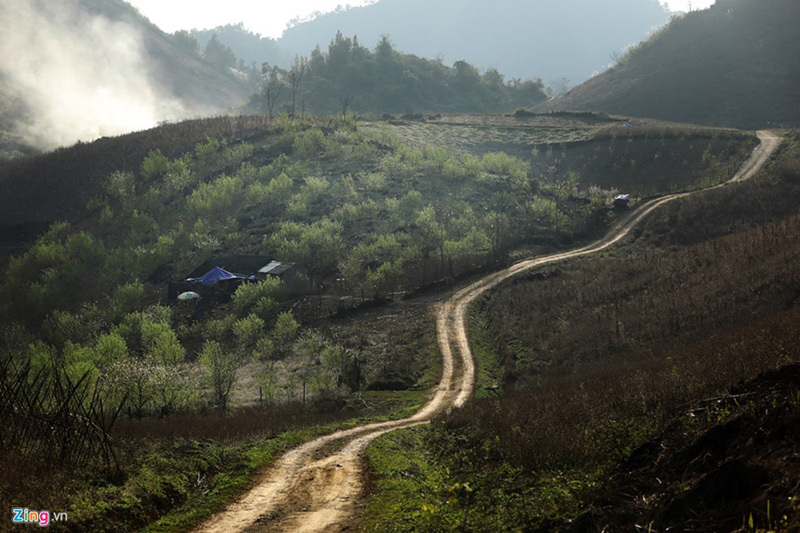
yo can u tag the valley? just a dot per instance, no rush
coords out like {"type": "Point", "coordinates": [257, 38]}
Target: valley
{"type": "Point", "coordinates": [306, 491]}
{"type": "Point", "coordinates": [368, 290]}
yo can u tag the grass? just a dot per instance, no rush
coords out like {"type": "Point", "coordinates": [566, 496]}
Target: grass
{"type": "Point", "coordinates": [185, 480]}
{"type": "Point", "coordinates": [195, 464]}
{"type": "Point", "coordinates": [427, 479]}
{"type": "Point", "coordinates": [488, 377]}
{"type": "Point", "coordinates": [402, 474]}
{"type": "Point", "coordinates": [247, 461]}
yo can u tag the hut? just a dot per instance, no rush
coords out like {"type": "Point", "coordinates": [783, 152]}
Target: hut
{"type": "Point", "coordinates": [293, 276]}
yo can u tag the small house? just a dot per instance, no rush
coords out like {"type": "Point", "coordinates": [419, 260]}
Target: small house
{"type": "Point", "coordinates": [241, 264]}
{"type": "Point", "coordinates": [217, 278]}
{"type": "Point", "coordinates": [622, 200]}
{"type": "Point", "coordinates": [293, 276]}
{"type": "Point", "coordinates": [228, 273]}
{"type": "Point", "coordinates": [217, 285]}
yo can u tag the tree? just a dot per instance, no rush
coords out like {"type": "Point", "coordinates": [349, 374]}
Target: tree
{"type": "Point", "coordinates": [431, 235]}
{"type": "Point", "coordinates": [284, 333]}
{"type": "Point", "coordinates": [248, 331]}
{"type": "Point", "coordinates": [185, 40]}
{"type": "Point", "coordinates": [220, 371]}
{"type": "Point", "coordinates": [316, 246]}
{"type": "Point", "coordinates": [294, 77]}
{"type": "Point", "coordinates": [160, 344]}
{"type": "Point", "coordinates": [219, 55]}
{"type": "Point", "coordinates": [272, 85]}
{"type": "Point", "coordinates": [258, 297]}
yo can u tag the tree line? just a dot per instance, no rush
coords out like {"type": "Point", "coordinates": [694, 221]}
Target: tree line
{"type": "Point", "coordinates": [349, 76]}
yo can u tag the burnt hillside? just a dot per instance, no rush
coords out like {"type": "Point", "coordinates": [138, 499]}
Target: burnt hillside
{"type": "Point", "coordinates": [731, 65]}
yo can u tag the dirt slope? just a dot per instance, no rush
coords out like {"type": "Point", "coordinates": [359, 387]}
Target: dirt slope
{"type": "Point", "coordinates": [722, 462]}
{"type": "Point", "coordinates": [729, 65]}
{"type": "Point", "coordinates": [315, 487]}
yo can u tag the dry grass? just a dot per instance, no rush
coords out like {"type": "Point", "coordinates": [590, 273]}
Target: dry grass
{"type": "Point", "coordinates": [236, 425]}
{"type": "Point", "coordinates": [601, 352]}
{"type": "Point", "coordinates": [607, 409]}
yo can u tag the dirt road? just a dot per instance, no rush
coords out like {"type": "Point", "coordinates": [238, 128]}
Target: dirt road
{"type": "Point", "coordinates": [315, 487]}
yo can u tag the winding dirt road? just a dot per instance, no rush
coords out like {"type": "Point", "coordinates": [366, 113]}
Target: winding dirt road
{"type": "Point", "coordinates": [316, 486]}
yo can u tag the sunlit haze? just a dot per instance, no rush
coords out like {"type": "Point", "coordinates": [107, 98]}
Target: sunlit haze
{"type": "Point", "coordinates": [266, 18]}
{"type": "Point", "coordinates": [269, 18]}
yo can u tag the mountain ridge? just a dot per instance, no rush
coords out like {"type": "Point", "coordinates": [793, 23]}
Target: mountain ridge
{"type": "Point", "coordinates": [542, 35]}
{"type": "Point", "coordinates": [744, 75]}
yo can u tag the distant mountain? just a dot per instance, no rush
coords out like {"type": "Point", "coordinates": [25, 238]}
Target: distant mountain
{"type": "Point", "coordinates": [80, 69]}
{"type": "Point", "coordinates": [735, 64]}
{"type": "Point", "coordinates": [547, 39]}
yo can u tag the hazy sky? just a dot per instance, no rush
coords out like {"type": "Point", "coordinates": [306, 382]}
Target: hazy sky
{"type": "Point", "coordinates": [268, 17]}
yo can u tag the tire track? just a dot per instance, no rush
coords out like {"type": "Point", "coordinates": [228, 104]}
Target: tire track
{"type": "Point", "coordinates": [304, 493]}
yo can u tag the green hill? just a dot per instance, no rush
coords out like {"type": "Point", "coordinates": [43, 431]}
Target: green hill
{"type": "Point", "coordinates": [369, 209]}
{"type": "Point", "coordinates": [734, 64]}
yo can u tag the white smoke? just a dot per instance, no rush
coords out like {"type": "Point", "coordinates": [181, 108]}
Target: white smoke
{"type": "Point", "coordinates": [81, 76]}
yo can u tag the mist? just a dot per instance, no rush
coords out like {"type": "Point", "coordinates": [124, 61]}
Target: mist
{"type": "Point", "coordinates": [80, 76]}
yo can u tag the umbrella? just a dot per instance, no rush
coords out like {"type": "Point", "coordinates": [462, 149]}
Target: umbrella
{"type": "Point", "coordinates": [188, 295]}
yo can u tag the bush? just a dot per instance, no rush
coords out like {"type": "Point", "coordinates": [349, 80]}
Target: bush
{"type": "Point", "coordinates": [220, 368]}
{"type": "Point", "coordinates": [218, 199]}
{"type": "Point", "coordinates": [248, 331]}
{"type": "Point", "coordinates": [262, 296]}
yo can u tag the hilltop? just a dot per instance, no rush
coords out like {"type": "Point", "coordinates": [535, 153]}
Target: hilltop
{"type": "Point", "coordinates": [730, 65]}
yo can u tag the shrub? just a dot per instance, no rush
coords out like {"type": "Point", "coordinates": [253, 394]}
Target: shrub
{"type": "Point", "coordinates": [218, 199]}
{"type": "Point", "coordinates": [262, 296]}
{"type": "Point", "coordinates": [155, 166]}
{"type": "Point", "coordinates": [248, 331]}
{"type": "Point", "coordinates": [309, 144]}
{"type": "Point", "coordinates": [220, 368]}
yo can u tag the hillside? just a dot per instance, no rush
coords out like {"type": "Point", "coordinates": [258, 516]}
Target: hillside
{"type": "Point", "coordinates": [545, 39]}
{"type": "Point", "coordinates": [612, 390]}
{"type": "Point", "coordinates": [123, 74]}
{"type": "Point", "coordinates": [734, 465]}
{"type": "Point", "coordinates": [37, 191]}
{"type": "Point", "coordinates": [731, 65]}
{"type": "Point", "coordinates": [370, 210]}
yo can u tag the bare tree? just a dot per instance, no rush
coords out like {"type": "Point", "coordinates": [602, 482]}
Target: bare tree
{"type": "Point", "coordinates": [272, 86]}
{"type": "Point", "coordinates": [294, 76]}
{"type": "Point", "coordinates": [345, 101]}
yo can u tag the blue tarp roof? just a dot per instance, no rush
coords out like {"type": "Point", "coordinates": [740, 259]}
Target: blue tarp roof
{"type": "Point", "coordinates": [213, 276]}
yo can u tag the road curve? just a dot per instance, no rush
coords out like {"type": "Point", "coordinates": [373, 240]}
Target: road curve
{"type": "Point", "coordinates": [315, 486]}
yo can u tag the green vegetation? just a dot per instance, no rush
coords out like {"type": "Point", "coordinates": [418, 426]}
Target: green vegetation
{"type": "Point", "coordinates": [369, 216]}
{"type": "Point", "coordinates": [188, 472]}
{"type": "Point", "coordinates": [143, 413]}
{"type": "Point", "coordinates": [425, 479]}
{"type": "Point", "coordinates": [598, 355]}
{"type": "Point", "coordinates": [351, 77]}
